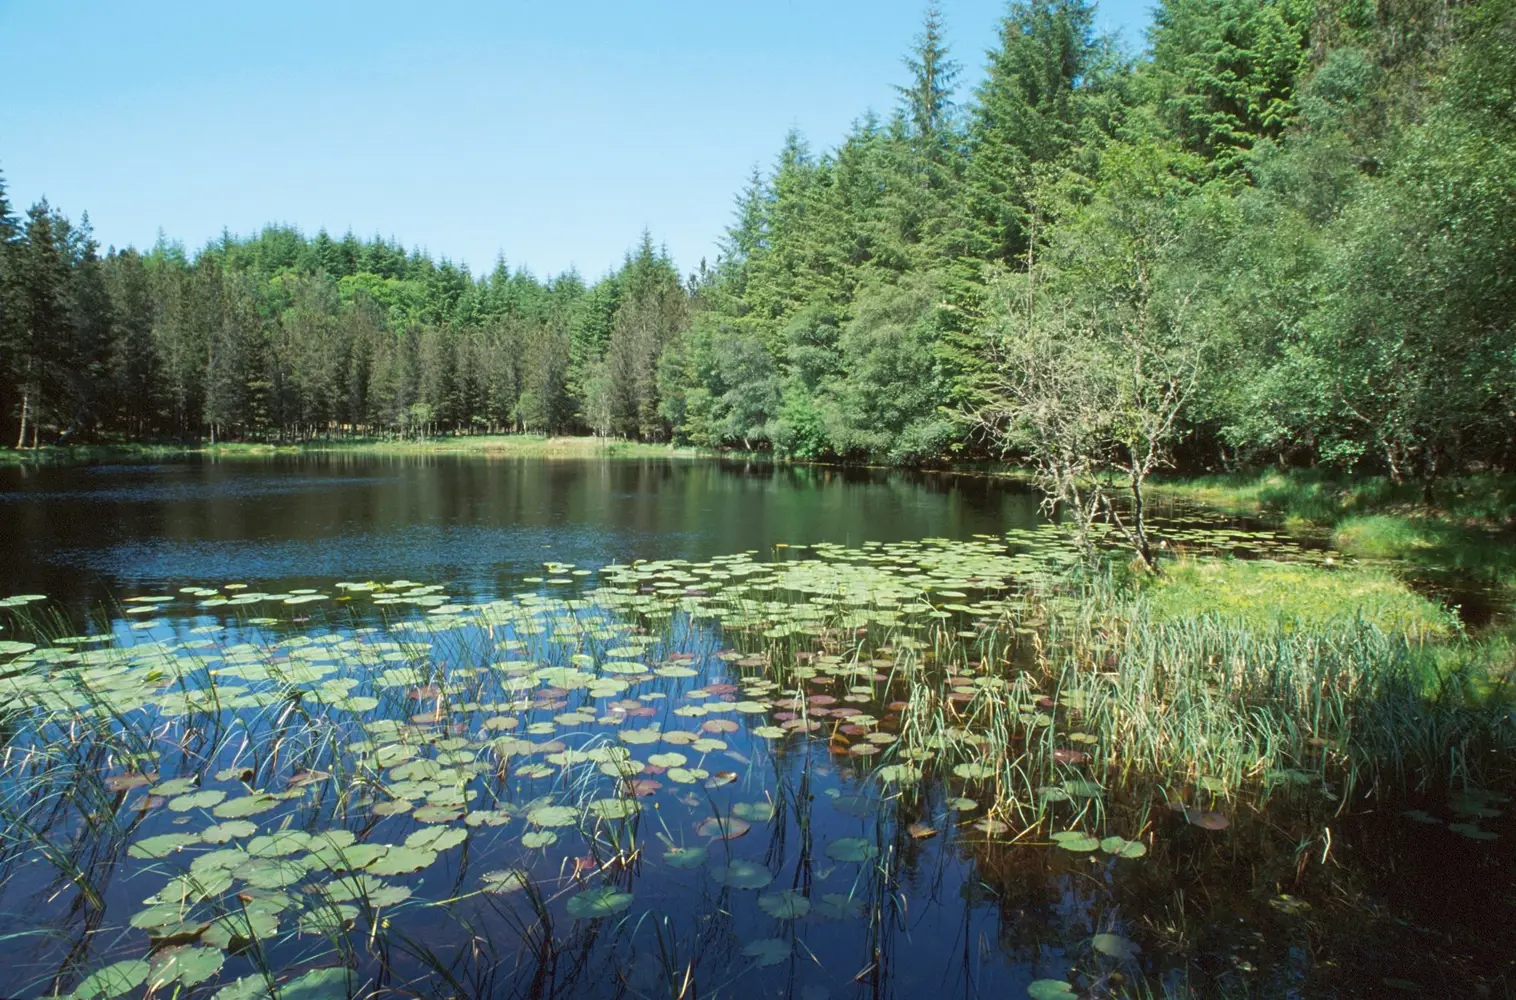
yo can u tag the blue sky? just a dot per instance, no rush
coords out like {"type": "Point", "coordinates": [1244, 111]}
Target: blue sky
{"type": "Point", "coordinates": [552, 132]}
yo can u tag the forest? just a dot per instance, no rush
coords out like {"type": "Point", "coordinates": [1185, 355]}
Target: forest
{"type": "Point", "coordinates": [1284, 234]}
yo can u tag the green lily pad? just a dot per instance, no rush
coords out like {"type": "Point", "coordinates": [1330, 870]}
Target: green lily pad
{"type": "Point", "coordinates": [403, 861]}
{"type": "Point", "coordinates": [225, 833]}
{"type": "Point", "coordinates": [196, 800]}
{"type": "Point", "coordinates": [187, 966]}
{"type": "Point", "coordinates": [614, 808]}
{"type": "Point", "coordinates": [685, 857]}
{"type": "Point", "coordinates": [538, 838]}
{"type": "Point", "coordinates": [161, 846]}
{"type": "Point", "coordinates": [1050, 989]}
{"type": "Point", "coordinates": [767, 951]}
{"type": "Point", "coordinates": [603, 901]}
{"type": "Point", "coordinates": [112, 981]}
{"type": "Point", "coordinates": [754, 812]}
{"type": "Point", "coordinates": [840, 906]}
{"type": "Point", "coordinates": [785, 905]}
{"type": "Point", "coordinates": [362, 886]}
{"type": "Point", "coordinates": [851, 849]}
{"type": "Point", "coordinates": [742, 874]}
{"type": "Point", "coordinates": [1473, 831]}
{"type": "Point", "coordinates": [1076, 840]}
{"type": "Point", "coordinates": [255, 921]}
{"type": "Point", "coordinates": [553, 816]}
{"type": "Point", "coordinates": [436, 838]}
{"type": "Point", "coordinates": [247, 805]}
{"type": "Point", "coordinates": [1123, 848]}
{"type": "Point", "coordinates": [507, 881]}
{"type": "Point", "coordinates": [1115, 946]}
{"type": "Point", "coordinates": [318, 984]}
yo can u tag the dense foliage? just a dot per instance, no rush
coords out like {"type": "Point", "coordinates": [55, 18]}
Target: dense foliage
{"type": "Point", "coordinates": [1312, 205]}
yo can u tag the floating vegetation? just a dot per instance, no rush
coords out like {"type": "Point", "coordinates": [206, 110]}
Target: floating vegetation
{"type": "Point", "coordinates": [668, 758]}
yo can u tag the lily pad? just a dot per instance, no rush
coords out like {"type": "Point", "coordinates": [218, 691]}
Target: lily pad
{"type": "Point", "coordinates": [196, 800]}
{"type": "Point", "coordinates": [436, 838]}
{"type": "Point", "coordinates": [1123, 848]}
{"type": "Point", "coordinates": [225, 833]}
{"type": "Point", "coordinates": [318, 984]}
{"type": "Point", "coordinates": [403, 861]}
{"type": "Point", "coordinates": [538, 838]}
{"type": "Point", "coordinates": [1076, 840]}
{"type": "Point", "coordinates": [185, 966]}
{"type": "Point", "coordinates": [1115, 946]}
{"type": "Point", "coordinates": [553, 816]}
{"type": "Point", "coordinates": [112, 981]}
{"type": "Point", "coordinates": [785, 905]}
{"type": "Point", "coordinates": [161, 846]}
{"type": "Point", "coordinates": [506, 881]}
{"type": "Point", "coordinates": [754, 812]}
{"type": "Point", "coordinates": [686, 857]}
{"type": "Point", "coordinates": [851, 849]}
{"type": "Point", "coordinates": [741, 874]}
{"type": "Point", "coordinates": [723, 827]}
{"type": "Point", "coordinates": [767, 951]}
{"type": "Point", "coordinates": [602, 901]}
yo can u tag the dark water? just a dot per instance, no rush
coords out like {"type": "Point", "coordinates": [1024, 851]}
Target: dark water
{"type": "Point", "coordinates": [1300, 903]}
{"type": "Point", "coordinates": [81, 534]}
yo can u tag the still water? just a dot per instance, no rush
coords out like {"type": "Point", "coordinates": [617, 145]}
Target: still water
{"type": "Point", "coordinates": [520, 766]}
{"type": "Point", "coordinates": [89, 533]}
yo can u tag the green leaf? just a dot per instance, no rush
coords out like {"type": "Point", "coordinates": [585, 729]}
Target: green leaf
{"type": "Point", "coordinates": [402, 861]}
{"type": "Point", "coordinates": [112, 981]}
{"type": "Point", "coordinates": [767, 951]}
{"type": "Point", "coordinates": [186, 966]}
{"type": "Point", "coordinates": [592, 904]}
{"type": "Point", "coordinates": [196, 800]}
{"type": "Point", "coordinates": [161, 846]}
{"type": "Point", "coordinates": [1122, 848]}
{"type": "Point", "coordinates": [785, 905]}
{"type": "Point", "coordinates": [223, 833]}
{"type": "Point", "coordinates": [553, 816]}
{"type": "Point", "coordinates": [436, 838]}
{"type": "Point", "coordinates": [742, 874]}
{"type": "Point", "coordinates": [1115, 946]}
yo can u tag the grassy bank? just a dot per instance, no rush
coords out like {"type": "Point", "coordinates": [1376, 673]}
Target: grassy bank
{"type": "Point", "coordinates": [1465, 532]}
{"type": "Point", "coordinates": [500, 445]}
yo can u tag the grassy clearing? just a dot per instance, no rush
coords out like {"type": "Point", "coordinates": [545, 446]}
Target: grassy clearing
{"type": "Point", "coordinates": [1311, 497]}
{"type": "Point", "coordinates": [495, 445]}
{"type": "Point", "coordinates": [1265, 594]}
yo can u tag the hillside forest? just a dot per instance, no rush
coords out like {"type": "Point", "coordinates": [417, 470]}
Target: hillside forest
{"type": "Point", "coordinates": [1286, 233]}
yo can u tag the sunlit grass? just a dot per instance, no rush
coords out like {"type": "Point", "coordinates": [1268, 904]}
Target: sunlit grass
{"type": "Point", "coordinates": [1265, 594]}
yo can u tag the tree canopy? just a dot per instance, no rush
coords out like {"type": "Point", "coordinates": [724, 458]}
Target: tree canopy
{"type": "Point", "coordinates": [1325, 190]}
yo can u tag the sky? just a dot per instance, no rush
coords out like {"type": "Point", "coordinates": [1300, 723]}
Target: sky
{"type": "Point", "coordinates": [550, 132]}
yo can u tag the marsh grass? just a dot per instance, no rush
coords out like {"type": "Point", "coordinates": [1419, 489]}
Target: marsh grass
{"type": "Point", "coordinates": [1266, 594]}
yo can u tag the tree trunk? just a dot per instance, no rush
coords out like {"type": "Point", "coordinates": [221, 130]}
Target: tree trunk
{"type": "Point", "coordinates": [26, 402]}
{"type": "Point", "coordinates": [1140, 528]}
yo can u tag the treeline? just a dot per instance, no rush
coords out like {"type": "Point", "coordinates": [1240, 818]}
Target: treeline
{"type": "Point", "coordinates": [1315, 200]}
